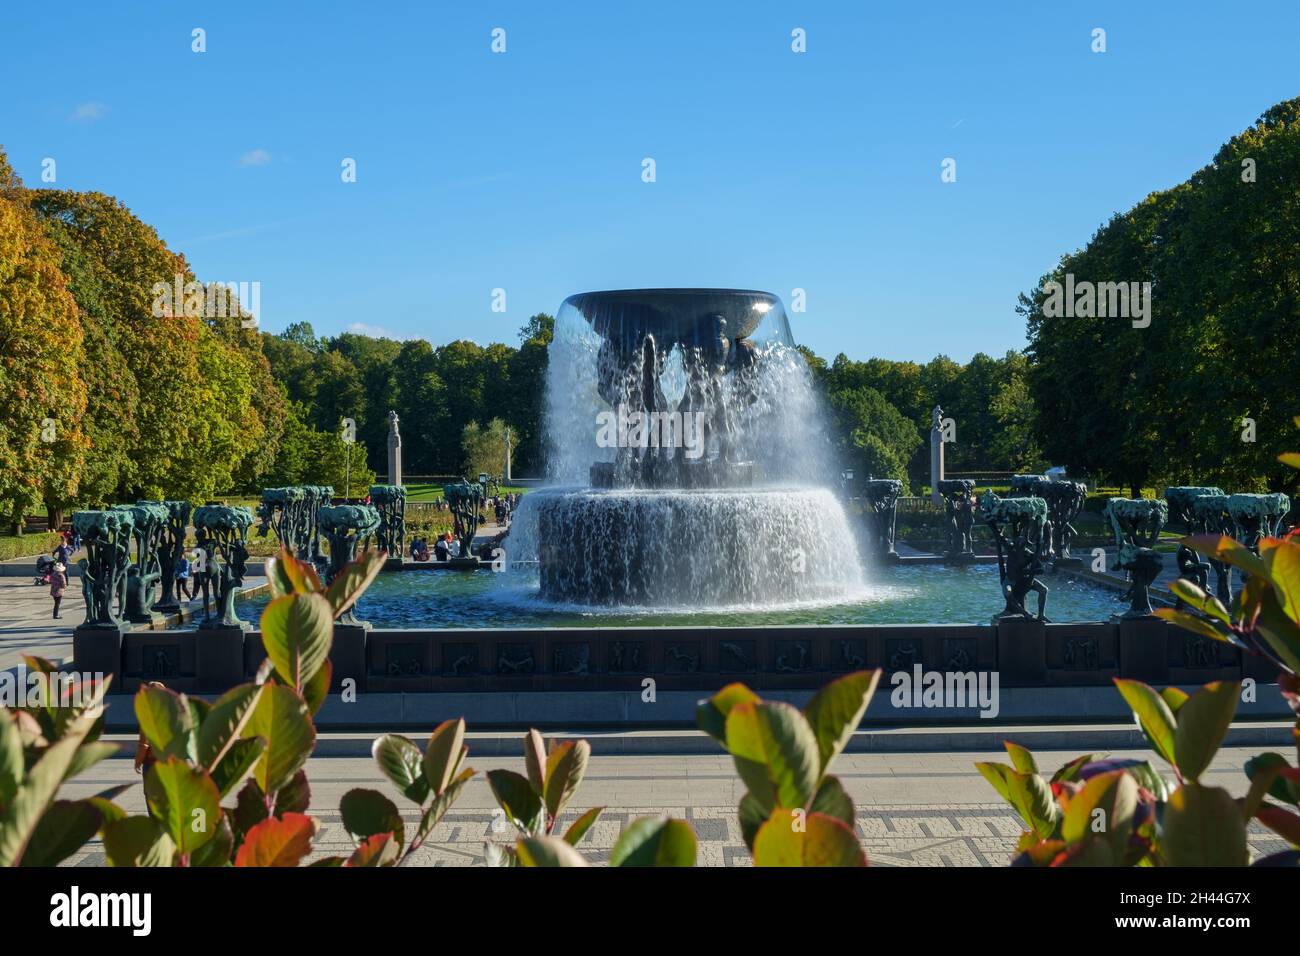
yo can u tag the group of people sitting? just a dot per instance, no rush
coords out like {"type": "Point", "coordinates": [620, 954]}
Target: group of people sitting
{"type": "Point", "coordinates": [444, 548]}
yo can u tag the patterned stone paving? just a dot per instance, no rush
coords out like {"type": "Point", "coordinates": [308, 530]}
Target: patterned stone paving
{"type": "Point", "coordinates": [966, 835]}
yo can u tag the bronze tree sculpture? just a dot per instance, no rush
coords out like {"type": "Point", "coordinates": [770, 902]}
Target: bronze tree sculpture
{"type": "Point", "coordinates": [1136, 524]}
{"type": "Point", "coordinates": [285, 511]}
{"type": "Point", "coordinates": [346, 526]}
{"type": "Point", "coordinates": [107, 539]}
{"type": "Point", "coordinates": [222, 533]}
{"type": "Point", "coordinates": [881, 495]}
{"type": "Point", "coordinates": [1210, 516]}
{"type": "Point", "coordinates": [1181, 501]}
{"type": "Point", "coordinates": [170, 550]}
{"type": "Point", "coordinates": [959, 514]}
{"type": "Point", "coordinates": [1257, 516]}
{"type": "Point", "coordinates": [390, 502]}
{"type": "Point", "coordinates": [318, 497]}
{"type": "Point", "coordinates": [1020, 555]}
{"type": "Point", "coordinates": [465, 501]}
{"type": "Point", "coordinates": [147, 533]}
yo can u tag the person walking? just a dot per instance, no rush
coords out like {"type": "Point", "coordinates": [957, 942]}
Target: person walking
{"type": "Point", "coordinates": [144, 755]}
{"type": "Point", "coordinates": [183, 577]}
{"type": "Point", "coordinates": [58, 585]}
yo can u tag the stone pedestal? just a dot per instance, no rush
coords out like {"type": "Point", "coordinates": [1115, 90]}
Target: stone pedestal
{"type": "Point", "coordinates": [167, 608]}
{"type": "Point", "coordinates": [152, 617]}
{"type": "Point", "coordinates": [1259, 669]}
{"type": "Point", "coordinates": [394, 563]}
{"type": "Point", "coordinates": [219, 657]}
{"type": "Point", "coordinates": [1143, 649]}
{"type": "Point", "coordinates": [98, 650]}
{"type": "Point", "coordinates": [1022, 652]}
{"type": "Point", "coordinates": [348, 656]}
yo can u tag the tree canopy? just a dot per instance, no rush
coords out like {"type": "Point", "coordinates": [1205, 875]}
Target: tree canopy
{"type": "Point", "coordinates": [1204, 391]}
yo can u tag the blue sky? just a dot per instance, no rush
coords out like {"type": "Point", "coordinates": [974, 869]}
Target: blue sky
{"type": "Point", "coordinates": [522, 170]}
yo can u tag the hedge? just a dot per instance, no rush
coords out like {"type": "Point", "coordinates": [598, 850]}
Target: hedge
{"type": "Point", "coordinates": [29, 545]}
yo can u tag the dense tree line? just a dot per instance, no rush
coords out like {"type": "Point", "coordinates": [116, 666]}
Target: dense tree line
{"type": "Point", "coordinates": [881, 412]}
{"type": "Point", "coordinates": [438, 393]}
{"type": "Point", "coordinates": [1206, 391]}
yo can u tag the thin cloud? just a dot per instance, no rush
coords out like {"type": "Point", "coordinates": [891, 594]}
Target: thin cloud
{"type": "Point", "coordinates": [374, 331]}
{"type": "Point", "coordinates": [255, 157]}
{"type": "Point", "coordinates": [232, 233]}
{"type": "Point", "coordinates": [88, 112]}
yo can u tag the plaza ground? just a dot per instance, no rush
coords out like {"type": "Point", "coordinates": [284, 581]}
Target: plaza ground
{"type": "Point", "coordinates": [929, 809]}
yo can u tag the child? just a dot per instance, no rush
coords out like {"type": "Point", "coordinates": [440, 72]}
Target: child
{"type": "Point", "coordinates": [58, 584]}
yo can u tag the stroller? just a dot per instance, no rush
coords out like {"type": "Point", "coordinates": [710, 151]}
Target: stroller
{"type": "Point", "coordinates": [44, 569]}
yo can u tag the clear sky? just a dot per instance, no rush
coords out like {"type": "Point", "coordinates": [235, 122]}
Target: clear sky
{"type": "Point", "coordinates": [522, 170]}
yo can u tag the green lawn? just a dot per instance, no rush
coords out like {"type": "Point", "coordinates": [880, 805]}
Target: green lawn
{"type": "Point", "coordinates": [434, 492]}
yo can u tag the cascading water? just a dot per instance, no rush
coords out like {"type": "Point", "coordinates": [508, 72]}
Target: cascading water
{"type": "Point", "coordinates": [687, 459]}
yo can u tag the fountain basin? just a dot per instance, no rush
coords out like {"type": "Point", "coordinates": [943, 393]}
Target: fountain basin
{"type": "Point", "coordinates": [693, 548]}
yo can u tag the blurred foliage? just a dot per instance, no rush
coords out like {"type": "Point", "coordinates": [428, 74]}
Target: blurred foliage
{"type": "Point", "coordinates": [794, 812]}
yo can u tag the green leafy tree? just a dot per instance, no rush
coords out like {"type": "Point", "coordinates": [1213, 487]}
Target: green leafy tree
{"type": "Point", "coordinates": [873, 436]}
{"type": "Point", "coordinates": [484, 448]}
{"type": "Point", "coordinates": [1222, 255]}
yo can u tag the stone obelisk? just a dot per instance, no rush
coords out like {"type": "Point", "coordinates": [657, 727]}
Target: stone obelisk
{"type": "Point", "coordinates": [936, 454]}
{"type": "Point", "coordinates": [394, 451]}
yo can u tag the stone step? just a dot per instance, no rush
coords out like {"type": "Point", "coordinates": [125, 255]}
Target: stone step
{"type": "Point", "coordinates": [1075, 738]}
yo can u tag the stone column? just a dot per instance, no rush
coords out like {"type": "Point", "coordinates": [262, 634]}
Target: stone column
{"type": "Point", "coordinates": [936, 454]}
{"type": "Point", "coordinates": [394, 451]}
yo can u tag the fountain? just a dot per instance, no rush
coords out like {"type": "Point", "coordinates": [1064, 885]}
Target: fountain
{"type": "Point", "coordinates": [687, 459]}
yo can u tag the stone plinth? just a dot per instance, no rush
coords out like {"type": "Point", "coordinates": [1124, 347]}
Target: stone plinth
{"type": "Point", "coordinates": [348, 656]}
{"type": "Point", "coordinates": [1143, 652]}
{"type": "Point", "coordinates": [219, 657]}
{"type": "Point", "coordinates": [98, 650]}
{"type": "Point", "coordinates": [1022, 652]}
